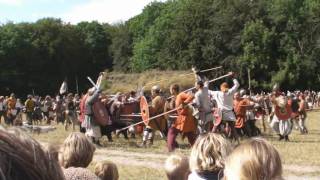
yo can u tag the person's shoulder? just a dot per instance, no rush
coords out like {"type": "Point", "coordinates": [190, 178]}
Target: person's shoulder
{"type": "Point", "coordinates": [78, 173]}
{"type": "Point", "coordinates": [194, 176]}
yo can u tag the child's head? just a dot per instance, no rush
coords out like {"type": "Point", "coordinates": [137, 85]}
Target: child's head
{"type": "Point", "coordinates": [209, 153]}
{"type": "Point", "coordinates": [106, 170]}
{"type": "Point", "coordinates": [177, 167]}
{"type": "Point", "coordinates": [76, 151]}
{"type": "Point", "coordinates": [254, 159]}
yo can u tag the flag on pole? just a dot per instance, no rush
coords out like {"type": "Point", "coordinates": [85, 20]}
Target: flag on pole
{"type": "Point", "coordinates": [64, 87]}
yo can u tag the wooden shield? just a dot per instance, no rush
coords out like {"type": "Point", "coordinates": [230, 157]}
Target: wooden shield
{"type": "Point", "coordinates": [283, 113]}
{"type": "Point", "coordinates": [100, 114]}
{"type": "Point", "coordinates": [144, 108]}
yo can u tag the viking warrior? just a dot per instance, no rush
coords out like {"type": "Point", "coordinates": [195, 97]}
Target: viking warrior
{"type": "Point", "coordinates": [2, 108]}
{"type": "Point", "coordinates": [240, 108]}
{"type": "Point", "coordinates": [11, 109]}
{"type": "Point", "coordinates": [46, 108]}
{"type": "Point", "coordinates": [202, 104]}
{"type": "Point", "coordinates": [70, 112]}
{"type": "Point", "coordinates": [185, 122]}
{"type": "Point", "coordinates": [29, 105]}
{"type": "Point", "coordinates": [157, 107]}
{"type": "Point", "coordinates": [92, 128]}
{"type": "Point", "coordinates": [281, 121]}
{"type": "Point", "coordinates": [225, 113]}
{"type": "Point", "coordinates": [302, 114]}
{"type": "Point", "coordinates": [58, 109]}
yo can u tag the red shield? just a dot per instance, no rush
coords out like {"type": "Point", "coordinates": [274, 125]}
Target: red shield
{"type": "Point", "coordinates": [82, 106]}
{"type": "Point", "coordinates": [283, 113]}
{"type": "Point", "coordinates": [218, 119]}
{"type": "Point", "coordinates": [144, 108]}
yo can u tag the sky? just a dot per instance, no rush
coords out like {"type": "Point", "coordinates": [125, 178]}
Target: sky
{"type": "Point", "coordinates": [73, 11]}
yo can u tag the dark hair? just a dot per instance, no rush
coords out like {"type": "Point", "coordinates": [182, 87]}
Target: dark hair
{"type": "Point", "coordinates": [200, 83]}
{"type": "Point", "coordinates": [22, 157]}
{"type": "Point", "coordinates": [175, 87]}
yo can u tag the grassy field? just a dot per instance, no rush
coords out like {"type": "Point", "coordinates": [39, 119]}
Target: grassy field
{"type": "Point", "coordinates": [300, 156]}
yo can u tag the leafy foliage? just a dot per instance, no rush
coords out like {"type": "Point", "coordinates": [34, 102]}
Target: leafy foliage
{"type": "Point", "coordinates": [278, 41]}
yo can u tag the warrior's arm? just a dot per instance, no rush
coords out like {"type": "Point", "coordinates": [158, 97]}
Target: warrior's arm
{"type": "Point", "coordinates": [92, 98]}
{"type": "Point", "coordinates": [234, 87]}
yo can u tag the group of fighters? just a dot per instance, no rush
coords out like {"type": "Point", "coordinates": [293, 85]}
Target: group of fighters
{"type": "Point", "coordinates": [62, 109]}
{"type": "Point", "coordinates": [228, 111]}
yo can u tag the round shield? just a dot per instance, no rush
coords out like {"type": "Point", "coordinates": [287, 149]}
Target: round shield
{"type": "Point", "coordinates": [144, 108]}
{"type": "Point", "coordinates": [218, 118]}
{"type": "Point", "coordinates": [100, 114]}
{"type": "Point", "coordinates": [283, 113]}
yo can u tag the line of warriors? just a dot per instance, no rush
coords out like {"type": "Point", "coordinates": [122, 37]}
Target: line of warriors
{"type": "Point", "coordinates": [227, 110]}
{"type": "Point", "coordinates": [41, 110]}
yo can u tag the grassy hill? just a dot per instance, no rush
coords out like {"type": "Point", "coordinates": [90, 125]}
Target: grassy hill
{"type": "Point", "coordinates": [121, 82]}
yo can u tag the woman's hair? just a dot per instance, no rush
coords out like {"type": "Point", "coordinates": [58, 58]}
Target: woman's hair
{"type": "Point", "coordinates": [53, 150]}
{"type": "Point", "coordinates": [76, 151]}
{"type": "Point", "coordinates": [177, 167]}
{"type": "Point", "coordinates": [209, 153]}
{"type": "Point", "coordinates": [21, 157]}
{"type": "Point", "coordinates": [106, 170]}
{"type": "Point", "coordinates": [254, 159]}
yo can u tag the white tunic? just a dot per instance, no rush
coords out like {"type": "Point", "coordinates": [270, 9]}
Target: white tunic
{"type": "Point", "coordinates": [225, 101]}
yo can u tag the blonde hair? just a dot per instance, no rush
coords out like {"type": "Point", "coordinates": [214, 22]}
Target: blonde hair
{"type": "Point", "coordinates": [53, 150]}
{"type": "Point", "coordinates": [209, 153]}
{"type": "Point", "coordinates": [177, 167]}
{"type": "Point", "coordinates": [106, 170]}
{"type": "Point", "coordinates": [254, 159]}
{"type": "Point", "coordinates": [76, 151]}
{"type": "Point", "coordinates": [224, 87]}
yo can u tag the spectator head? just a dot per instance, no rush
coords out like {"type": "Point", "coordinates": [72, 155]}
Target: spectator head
{"type": "Point", "coordinates": [106, 170]}
{"type": "Point", "coordinates": [177, 167]}
{"type": "Point", "coordinates": [254, 159]}
{"type": "Point", "coordinates": [53, 151]}
{"type": "Point", "coordinates": [76, 151]}
{"type": "Point", "coordinates": [21, 157]}
{"type": "Point", "coordinates": [209, 153]}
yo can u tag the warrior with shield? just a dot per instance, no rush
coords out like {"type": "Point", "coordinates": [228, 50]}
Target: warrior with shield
{"type": "Point", "coordinates": [281, 121]}
{"type": "Point", "coordinates": [225, 116]}
{"type": "Point", "coordinates": [89, 123]}
{"type": "Point", "coordinates": [157, 107]}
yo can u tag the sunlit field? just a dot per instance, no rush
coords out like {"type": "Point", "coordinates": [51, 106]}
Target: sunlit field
{"type": "Point", "coordinates": [300, 156]}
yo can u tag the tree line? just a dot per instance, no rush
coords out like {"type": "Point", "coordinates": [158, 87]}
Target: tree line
{"type": "Point", "coordinates": [278, 41]}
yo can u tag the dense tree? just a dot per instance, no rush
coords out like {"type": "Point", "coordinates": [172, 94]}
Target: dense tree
{"type": "Point", "coordinates": [278, 41]}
